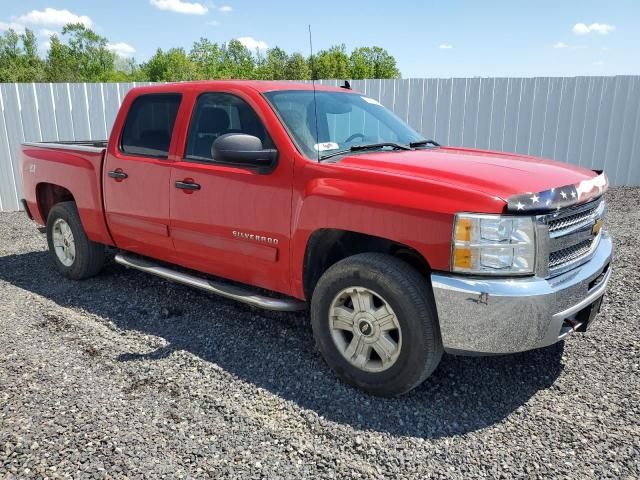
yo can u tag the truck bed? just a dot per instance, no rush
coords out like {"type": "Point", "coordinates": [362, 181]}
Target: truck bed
{"type": "Point", "coordinates": [69, 170]}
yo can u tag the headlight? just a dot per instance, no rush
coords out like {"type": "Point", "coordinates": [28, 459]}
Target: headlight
{"type": "Point", "coordinates": [493, 245]}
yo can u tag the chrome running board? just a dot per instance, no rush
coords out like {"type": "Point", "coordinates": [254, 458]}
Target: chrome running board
{"type": "Point", "coordinates": [244, 295]}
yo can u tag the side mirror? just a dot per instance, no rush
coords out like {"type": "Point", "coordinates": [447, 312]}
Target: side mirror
{"type": "Point", "coordinates": [243, 149]}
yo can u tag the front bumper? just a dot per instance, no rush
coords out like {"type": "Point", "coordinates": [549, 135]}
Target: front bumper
{"type": "Point", "coordinates": [480, 315]}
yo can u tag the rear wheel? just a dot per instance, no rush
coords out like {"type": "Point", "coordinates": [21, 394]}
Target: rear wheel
{"type": "Point", "coordinates": [74, 255]}
{"type": "Point", "coordinates": [375, 323]}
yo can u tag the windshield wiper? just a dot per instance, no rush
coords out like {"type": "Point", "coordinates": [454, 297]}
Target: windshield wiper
{"type": "Point", "coordinates": [367, 146]}
{"type": "Point", "coordinates": [420, 143]}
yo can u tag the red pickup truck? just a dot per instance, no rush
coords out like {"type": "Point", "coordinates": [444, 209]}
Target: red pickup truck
{"type": "Point", "coordinates": [287, 197]}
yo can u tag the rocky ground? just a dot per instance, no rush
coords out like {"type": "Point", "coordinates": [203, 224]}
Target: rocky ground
{"type": "Point", "coordinates": [129, 376]}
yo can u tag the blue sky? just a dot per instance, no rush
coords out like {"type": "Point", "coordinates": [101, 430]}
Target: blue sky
{"type": "Point", "coordinates": [452, 38]}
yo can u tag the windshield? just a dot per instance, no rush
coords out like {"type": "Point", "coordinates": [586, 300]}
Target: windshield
{"type": "Point", "coordinates": [344, 120]}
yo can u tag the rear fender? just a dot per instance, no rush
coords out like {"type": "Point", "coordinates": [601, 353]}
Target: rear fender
{"type": "Point", "coordinates": [52, 172]}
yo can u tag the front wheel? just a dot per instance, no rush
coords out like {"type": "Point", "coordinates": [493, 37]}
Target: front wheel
{"type": "Point", "coordinates": [375, 323]}
{"type": "Point", "coordinates": [74, 255]}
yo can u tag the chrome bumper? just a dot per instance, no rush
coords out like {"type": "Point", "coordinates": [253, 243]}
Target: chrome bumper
{"type": "Point", "coordinates": [495, 316]}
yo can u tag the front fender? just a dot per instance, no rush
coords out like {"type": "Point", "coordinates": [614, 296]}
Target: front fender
{"type": "Point", "coordinates": [408, 212]}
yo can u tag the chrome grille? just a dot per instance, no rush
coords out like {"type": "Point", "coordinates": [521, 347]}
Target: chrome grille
{"type": "Point", "coordinates": [569, 254]}
{"type": "Point", "coordinates": [570, 241]}
{"type": "Point", "coordinates": [572, 219]}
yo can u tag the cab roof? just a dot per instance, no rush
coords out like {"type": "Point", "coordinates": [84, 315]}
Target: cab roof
{"type": "Point", "coordinates": [257, 85]}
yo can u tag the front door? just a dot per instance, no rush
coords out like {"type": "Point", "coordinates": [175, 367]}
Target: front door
{"type": "Point", "coordinates": [137, 177]}
{"type": "Point", "coordinates": [226, 219]}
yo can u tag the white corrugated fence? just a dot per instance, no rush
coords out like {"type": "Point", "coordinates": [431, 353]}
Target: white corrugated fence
{"type": "Point", "coordinates": [588, 121]}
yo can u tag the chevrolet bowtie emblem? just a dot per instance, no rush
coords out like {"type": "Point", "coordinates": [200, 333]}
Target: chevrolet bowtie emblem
{"type": "Point", "coordinates": [596, 227]}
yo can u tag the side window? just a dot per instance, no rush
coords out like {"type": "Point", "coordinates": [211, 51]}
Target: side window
{"type": "Point", "coordinates": [216, 114]}
{"type": "Point", "coordinates": [149, 125]}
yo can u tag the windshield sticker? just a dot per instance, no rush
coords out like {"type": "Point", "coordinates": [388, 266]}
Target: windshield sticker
{"type": "Point", "coordinates": [371, 101]}
{"type": "Point", "coordinates": [323, 147]}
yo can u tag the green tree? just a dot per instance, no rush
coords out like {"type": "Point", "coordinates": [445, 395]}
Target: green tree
{"type": "Point", "coordinates": [276, 64]}
{"type": "Point", "coordinates": [237, 61]}
{"type": "Point", "coordinates": [372, 62]}
{"type": "Point", "coordinates": [125, 70]}
{"type": "Point", "coordinates": [208, 58]}
{"type": "Point", "coordinates": [83, 58]}
{"type": "Point", "coordinates": [19, 60]}
{"type": "Point", "coordinates": [32, 63]}
{"type": "Point", "coordinates": [171, 66]}
{"type": "Point", "coordinates": [61, 65]}
{"type": "Point", "coordinates": [10, 44]}
{"type": "Point", "coordinates": [297, 68]}
{"type": "Point", "coordinates": [360, 65]}
{"type": "Point", "coordinates": [332, 63]}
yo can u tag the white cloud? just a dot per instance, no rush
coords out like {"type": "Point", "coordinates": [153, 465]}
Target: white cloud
{"type": "Point", "coordinates": [599, 63]}
{"type": "Point", "coordinates": [53, 17]}
{"type": "Point", "coordinates": [580, 29]}
{"type": "Point", "coordinates": [13, 25]}
{"type": "Point", "coordinates": [225, 9]}
{"type": "Point", "coordinates": [179, 6]}
{"type": "Point", "coordinates": [601, 28]}
{"type": "Point", "coordinates": [445, 46]}
{"type": "Point", "coordinates": [213, 22]}
{"type": "Point", "coordinates": [253, 44]}
{"type": "Point", "coordinates": [563, 45]}
{"type": "Point", "coordinates": [121, 49]}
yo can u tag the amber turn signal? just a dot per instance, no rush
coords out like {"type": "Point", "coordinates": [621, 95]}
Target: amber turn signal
{"type": "Point", "coordinates": [463, 230]}
{"type": "Point", "coordinates": [462, 257]}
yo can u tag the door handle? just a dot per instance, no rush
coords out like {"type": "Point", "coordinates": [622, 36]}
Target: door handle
{"type": "Point", "coordinates": [118, 174]}
{"type": "Point", "coordinates": [187, 185]}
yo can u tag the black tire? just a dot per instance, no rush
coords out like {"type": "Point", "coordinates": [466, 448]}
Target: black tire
{"type": "Point", "coordinates": [89, 256]}
{"type": "Point", "coordinates": [411, 298]}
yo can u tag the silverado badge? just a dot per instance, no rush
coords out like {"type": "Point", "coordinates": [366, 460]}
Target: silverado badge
{"type": "Point", "coordinates": [254, 237]}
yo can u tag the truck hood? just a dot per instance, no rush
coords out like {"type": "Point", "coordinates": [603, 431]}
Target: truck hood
{"type": "Point", "coordinates": [493, 173]}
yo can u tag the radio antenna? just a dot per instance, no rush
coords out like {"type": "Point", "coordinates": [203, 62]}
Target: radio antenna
{"type": "Point", "coordinates": [315, 101]}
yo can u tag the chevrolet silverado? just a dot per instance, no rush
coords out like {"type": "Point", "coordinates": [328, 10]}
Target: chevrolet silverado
{"type": "Point", "coordinates": [291, 197]}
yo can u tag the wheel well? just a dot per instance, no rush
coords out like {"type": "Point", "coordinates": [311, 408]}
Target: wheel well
{"type": "Point", "coordinates": [48, 194]}
{"type": "Point", "coordinates": [329, 246]}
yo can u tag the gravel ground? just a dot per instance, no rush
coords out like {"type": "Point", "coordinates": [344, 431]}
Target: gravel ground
{"type": "Point", "coordinates": [126, 375]}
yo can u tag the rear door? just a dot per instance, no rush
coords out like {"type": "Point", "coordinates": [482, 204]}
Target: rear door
{"type": "Point", "coordinates": [137, 176]}
{"type": "Point", "coordinates": [237, 223]}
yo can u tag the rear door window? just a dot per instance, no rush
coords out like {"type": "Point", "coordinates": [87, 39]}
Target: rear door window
{"type": "Point", "coordinates": [149, 125]}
